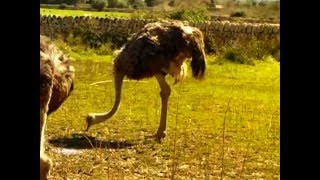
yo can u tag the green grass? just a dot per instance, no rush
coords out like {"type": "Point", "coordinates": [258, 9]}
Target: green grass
{"type": "Point", "coordinates": [60, 12]}
{"type": "Point", "coordinates": [224, 126]}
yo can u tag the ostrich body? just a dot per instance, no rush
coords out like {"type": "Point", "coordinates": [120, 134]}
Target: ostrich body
{"type": "Point", "coordinates": [157, 50]}
{"type": "Point", "coordinates": [56, 84]}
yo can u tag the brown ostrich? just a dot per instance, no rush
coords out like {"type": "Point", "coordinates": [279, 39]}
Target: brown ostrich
{"type": "Point", "coordinates": [56, 84]}
{"type": "Point", "coordinates": [157, 50]}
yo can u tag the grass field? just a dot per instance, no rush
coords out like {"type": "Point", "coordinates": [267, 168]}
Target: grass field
{"type": "Point", "coordinates": [226, 126]}
{"type": "Point", "coordinates": [60, 12]}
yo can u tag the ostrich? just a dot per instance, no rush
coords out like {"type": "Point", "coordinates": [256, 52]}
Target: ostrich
{"type": "Point", "coordinates": [159, 49]}
{"type": "Point", "coordinates": [56, 84]}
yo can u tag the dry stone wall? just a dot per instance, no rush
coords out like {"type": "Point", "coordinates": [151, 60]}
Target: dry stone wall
{"type": "Point", "coordinates": [221, 31]}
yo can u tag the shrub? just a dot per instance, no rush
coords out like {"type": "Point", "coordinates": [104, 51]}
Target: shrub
{"type": "Point", "coordinates": [276, 55]}
{"type": "Point", "coordinates": [210, 45]}
{"type": "Point", "coordinates": [105, 49]}
{"type": "Point", "coordinates": [195, 14]}
{"type": "Point", "coordinates": [236, 55]}
{"type": "Point", "coordinates": [92, 38]}
{"type": "Point", "coordinates": [238, 13]}
{"type": "Point", "coordinates": [122, 4]}
{"type": "Point", "coordinates": [262, 3]}
{"type": "Point", "coordinates": [117, 4]}
{"type": "Point", "coordinates": [62, 6]}
{"type": "Point", "coordinates": [245, 52]}
{"type": "Point", "coordinates": [112, 3]}
{"type": "Point", "coordinates": [171, 3]}
{"type": "Point", "coordinates": [73, 40]}
{"type": "Point", "coordinates": [137, 3]}
{"type": "Point", "coordinates": [98, 4]}
{"type": "Point", "coordinates": [154, 15]}
{"type": "Point", "coordinates": [150, 3]}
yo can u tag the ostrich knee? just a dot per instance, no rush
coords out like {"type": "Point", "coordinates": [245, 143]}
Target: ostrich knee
{"type": "Point", "coordinates": [45, 166]}
{"type": "Point", "coordinates": [165, 92]}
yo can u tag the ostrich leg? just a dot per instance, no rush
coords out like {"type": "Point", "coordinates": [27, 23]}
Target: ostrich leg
{"type": "Point", "coordinates": [165, 92]}
{"type": "Point", "coordinates": [45, 161]}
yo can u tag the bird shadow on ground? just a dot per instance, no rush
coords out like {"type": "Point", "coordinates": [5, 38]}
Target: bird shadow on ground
{"type": "Point", "coordinates": [82, 141]}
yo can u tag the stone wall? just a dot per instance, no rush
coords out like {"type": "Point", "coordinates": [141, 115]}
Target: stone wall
{"type": "Point", "coordinates": [220, 31]}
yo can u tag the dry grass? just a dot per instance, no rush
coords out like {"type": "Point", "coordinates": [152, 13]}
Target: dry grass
{"type": "Point", "coordinates": [225, 126]}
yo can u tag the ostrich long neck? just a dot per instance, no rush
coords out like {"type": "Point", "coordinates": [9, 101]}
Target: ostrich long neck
{"type": "Point", "coordinates": [99, 118]}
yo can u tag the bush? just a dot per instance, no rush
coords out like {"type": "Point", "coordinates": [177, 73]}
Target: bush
{"type": "Point", "coordinates": [195, 14]}
{"type": "Point", "coordinates": [122, 4]}
{"type": "Point", "coordinates": [137, 3]}
{"type": "Point", "coordinates": [239, 57]}
{"type": "Point", "coordinates": [238, 14]}
{"type": "Point", "coordinates": [98, 4]}
{"type": "Point", "coordinates": [92, 38]}
{"type": "Point", "coordinates": [247, 52]}
{"type": "Point", "coordinates": [62, 6]}
{"type": "Point", "coordinates": [117, 4]}
{"type": "Point", "coordinates": [112, 3]}
{"type": "Point", "coordinates": [154, 15]}
{"type": "Point", "coordinates": [235, 55]}
{"type": "Point", "coordinates": [73, 40]}
{"type": "Point", "coordinates": [262, 3]}
{"type": "Point", "coordinates": [210, 45]}
{"type": "Point", "coordinates": [171, 3]}
{"type": "Point", "coordinates": [150, 3]}
{"type": "Point", "coordinates": [105, 49]}
{"type": "Point", "coordinates": [68, 2]}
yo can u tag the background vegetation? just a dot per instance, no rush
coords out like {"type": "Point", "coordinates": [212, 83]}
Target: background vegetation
{"type": "Point", "coordinates": [263, 10]}
{"type": "Point", "coordinates": [224, 127]}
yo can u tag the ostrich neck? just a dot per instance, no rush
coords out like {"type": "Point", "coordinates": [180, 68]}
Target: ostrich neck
{"type": "Point", "coordinates": [101, 117]}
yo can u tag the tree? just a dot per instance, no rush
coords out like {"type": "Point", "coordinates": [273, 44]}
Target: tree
{"type": "Point", "coordinates": [98, 4]}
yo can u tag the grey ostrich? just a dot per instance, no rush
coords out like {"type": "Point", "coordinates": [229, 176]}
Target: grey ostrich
{"type": "Point", "coordinates": [56, 84]}
{"type": "Point", "coordinates": [159, 49]}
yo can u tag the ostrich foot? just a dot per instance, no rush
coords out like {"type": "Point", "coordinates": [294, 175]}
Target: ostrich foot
{"type": "Point", "coordinates": [89, 121]}
{"type": "Point", "coordinates": [159, 136]}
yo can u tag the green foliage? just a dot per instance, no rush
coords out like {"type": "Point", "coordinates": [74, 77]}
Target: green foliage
{"type": "Point", "coordinates": [237, 55]}
{"type": "Point", "coordinates": [105, 49]}
{"type": "Point", "coordinates": [74, 41]}
{"type": "Point", "coordinates": [117, 3]}
{"type": "Point", "coordinates": [210, 45]}
{"type": "Point", "coordinates": [263, 3]}
{"type": "Point", "coordinates": [142, 14]}
{"type": "Point", "coordinates": [246, 52]}
{"type": "Point", "coordinates": [62, 6]}
{"type": "Point", "coordinates": [137, 3]}
{"type": "Point", "coordinates": [195, 14]}
{"type": "Point", "coordinates": [276, 55]}
{"type": "Point", "coordinates": [98, 4]}
{"type": "Point", "coordinates": [68, 2]}
{"type": "Point", "coordinates": [91, 38]}
{"type": "Point", "coordinates": [78, 45]}
{"type": "Point", "coordinates": [171, 3]}
{"type": "Point", "coordinates": [150, 3]}
{"type": "Point", "coordinates": [123, 4]}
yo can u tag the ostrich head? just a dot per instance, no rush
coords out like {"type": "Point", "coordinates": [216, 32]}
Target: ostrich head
{"type": "Point", "coordinates": [196, 48]}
